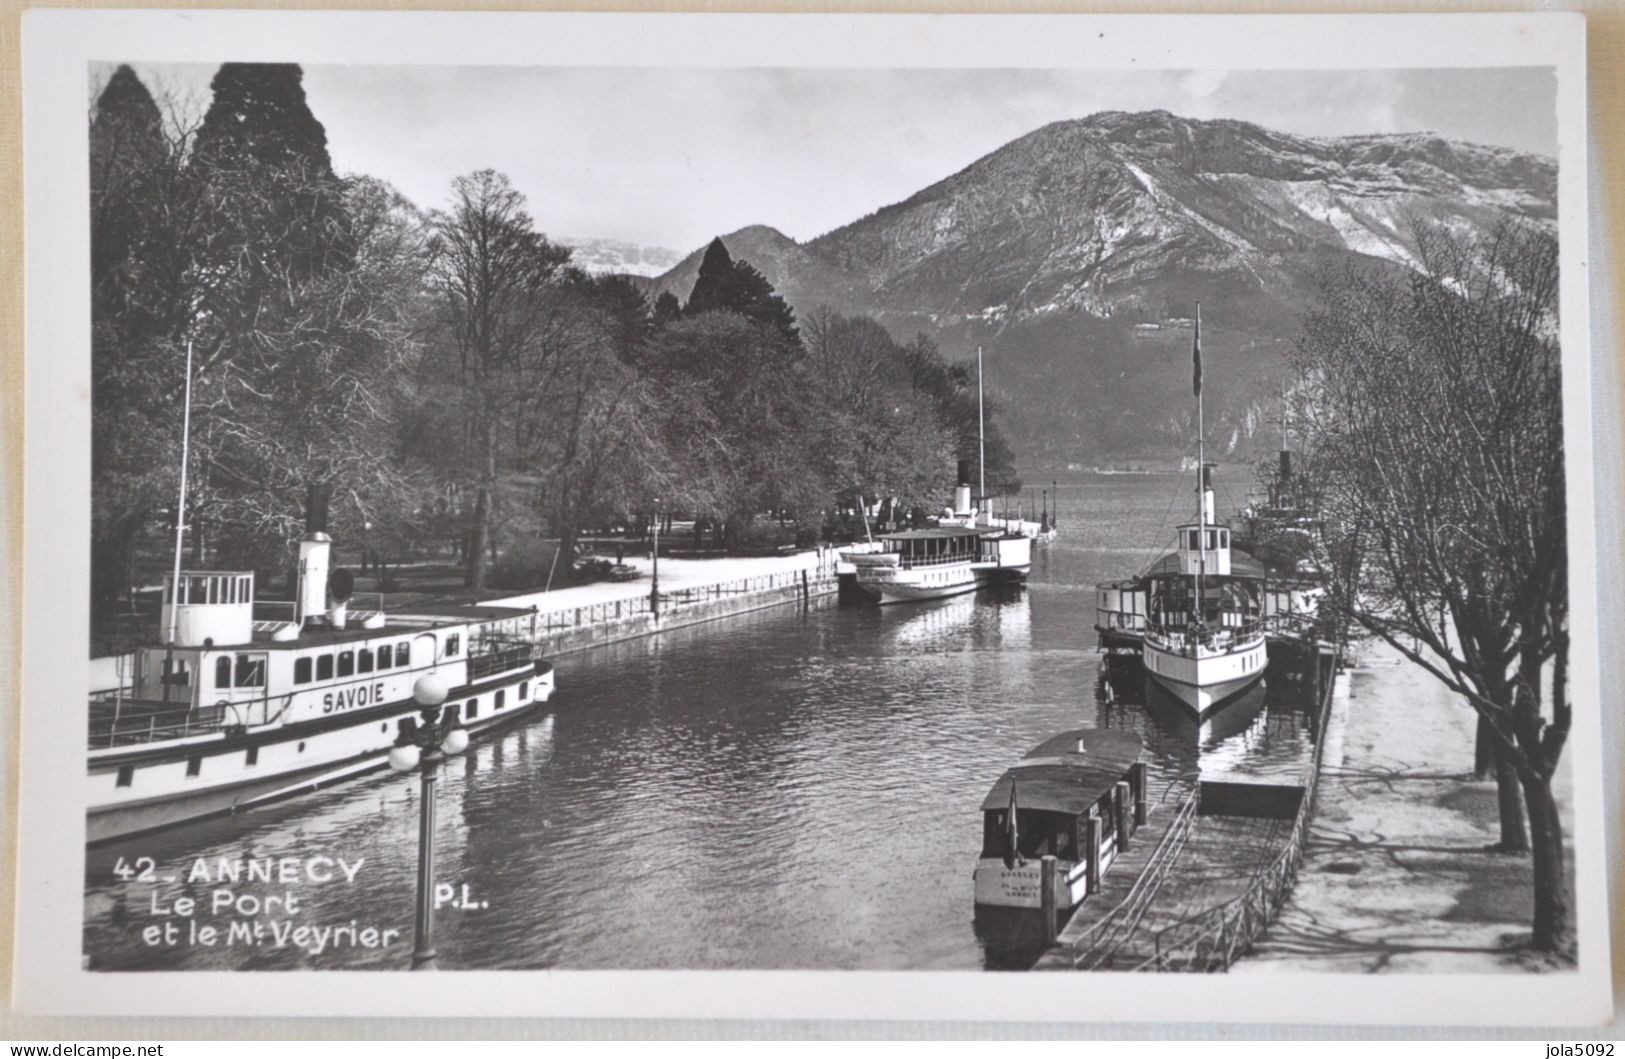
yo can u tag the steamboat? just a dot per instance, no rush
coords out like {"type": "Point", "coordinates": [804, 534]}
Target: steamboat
{"type": "Point", "coordinates": [957, 555]}
{"type": "Point", "coordinates": [1070, 797]}
{"type": "Point", "coordinates": [239, 703]}
{"type": "Point", "coordinates": [1196, 615]}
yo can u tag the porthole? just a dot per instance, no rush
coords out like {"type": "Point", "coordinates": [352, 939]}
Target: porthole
{"type": "Point", "coordinates": [301, 747]}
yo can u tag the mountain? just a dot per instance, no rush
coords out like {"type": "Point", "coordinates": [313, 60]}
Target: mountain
{"type": "Point", "coordinates": [599, 256]}
{"type": "Point", "coordinates": [1075, 254]}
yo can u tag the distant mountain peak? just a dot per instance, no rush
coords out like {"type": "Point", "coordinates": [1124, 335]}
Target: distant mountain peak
{"type": "Point", "coordinates": [1094, 234]}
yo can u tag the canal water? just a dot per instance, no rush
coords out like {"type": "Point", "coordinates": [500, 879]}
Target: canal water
{"type": "Point", "coordinates": [786, 789]}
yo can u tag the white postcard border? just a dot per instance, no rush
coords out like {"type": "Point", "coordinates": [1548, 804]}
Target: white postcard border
{"type": "Point", "coordinates": [58, 47]}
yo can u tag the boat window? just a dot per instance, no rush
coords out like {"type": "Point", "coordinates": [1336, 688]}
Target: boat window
{"type": "Point", "coordinates": [524, 690]}
{"type": "Point", "coordinates": [346, 663]}
{"type": "Point", "coordinates": [473, 708]}
{"type": "Point", "coordinates": [252, 756]}
{"type": "Point", "coordinates": [169, 591]}
{"type": "Point", "coordinates": [500, 696]}
{"type": "Point", "coordinates": [403, 654]}
{"type": "Point", "coordinates": [126, 775]}
{"type": "Point", "coordinates": [324, 667]}
{"type": "Point", "coordinates": [245, 590]}
{"type": "Point", "coordinates": [301, 671]}
{"type": "Point", "coordinates": [194, 764]}
{"type": "Point", "coordinates": [384, 660]}
{"type": "Point", "coordinates": [454, 643]}
{"type": "Point", "coordinates": [222, 671]}
{"type": "Point", "coordinates": [250, 671]}
{"type": "Point", "coordinates": [363, 661]}
{"type": "Point", "coordinates": [198, 591]}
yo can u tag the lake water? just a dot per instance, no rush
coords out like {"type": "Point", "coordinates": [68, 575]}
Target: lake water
{"type": "Point", "coordinates": [785, 789]}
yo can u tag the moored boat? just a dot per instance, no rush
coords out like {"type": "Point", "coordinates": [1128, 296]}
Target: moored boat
{"type": "Point", "coordinates": [1197, 614]}
{"type": "Point", "coordinates": [1071, 797]}
{"type": "Point", "coordinates": [231, 708]}
{"type": "Point", "coordinates": [941, 561]}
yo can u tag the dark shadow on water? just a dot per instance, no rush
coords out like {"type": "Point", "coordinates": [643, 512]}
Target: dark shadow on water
{"type": "Point", "coordinates": [1012, 939]}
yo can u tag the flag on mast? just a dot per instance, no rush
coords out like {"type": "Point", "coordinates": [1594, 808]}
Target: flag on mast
{"type": "Point", "coordinates": [1196, 357]}
{"type": "Point", "coordinates": [1011, 835]}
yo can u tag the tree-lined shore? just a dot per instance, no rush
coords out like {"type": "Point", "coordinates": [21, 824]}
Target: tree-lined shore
{"type": "Point", "coordinates": [444, 380]}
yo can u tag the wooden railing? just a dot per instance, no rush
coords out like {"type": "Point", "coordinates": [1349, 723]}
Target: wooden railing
{"type": "Point", "coordinates": [1096, 945]}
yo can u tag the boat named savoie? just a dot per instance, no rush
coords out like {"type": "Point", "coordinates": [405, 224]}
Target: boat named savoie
{"type": "Point", "coordinates": [230, 709]}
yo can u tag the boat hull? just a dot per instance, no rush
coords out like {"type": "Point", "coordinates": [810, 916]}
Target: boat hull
{"type": "Point", "coordinates": [1202, 684]}
{"type": "Point", "coordinates": [357, 749]}
{"type": "Point", "coordinates": [1020, 886]}
{"type": "Point", "coordinates": [891, 585]}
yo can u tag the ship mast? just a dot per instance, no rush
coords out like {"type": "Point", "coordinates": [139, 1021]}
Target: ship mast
{"type": "Point", "coordinates": [180, 504]}
{"type": "Point", "coordinates": [1201, 469]}
{"type": "Point", "coordinates": [981, 435]}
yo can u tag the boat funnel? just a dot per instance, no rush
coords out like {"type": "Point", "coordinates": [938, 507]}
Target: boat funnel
{"type": "Point", "coordinates": [962, 503]}
{"type": "Point", "coordinates": [1286, 464]}
{"type": "Point", "coordinates": [315, 551]}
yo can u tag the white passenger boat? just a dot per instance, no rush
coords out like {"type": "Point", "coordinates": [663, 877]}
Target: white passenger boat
{"type": "Point", "coordinates": [1074, 797]}
{"type": "Point", "coordinates": [941, 561]}
{"type": "Point", "coordinates": [1204, 629]}
{"type": "Point", "coordinates": [230, 709]}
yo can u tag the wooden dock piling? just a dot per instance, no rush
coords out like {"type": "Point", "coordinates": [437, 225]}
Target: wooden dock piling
{"type": "Point", "coordinates": [1122, 806]}
{"type": "Point", "coordinates": [1091, 850]}
{"type": "Point", "coordinates": [1049, 871]}
{"type": "Point", "coordinates": [1139, 777]}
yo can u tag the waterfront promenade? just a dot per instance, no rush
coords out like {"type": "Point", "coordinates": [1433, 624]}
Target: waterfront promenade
{"type": "Point", "coordinates": [1397, 877]}
{"type": "Point", "coordinates": [675, 575]}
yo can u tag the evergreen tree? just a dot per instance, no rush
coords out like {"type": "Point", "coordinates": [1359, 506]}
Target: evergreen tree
{"type": "Point", "coordinates": [135, 374]}
{"type": "Point", "coordinates": [667, 309]}
{"type": "Point", "coordinates": [714, 286]}
{"type": "Point", "coordinates": [734, 286]}
{"type": "Point", "coordinates": [277, 208]}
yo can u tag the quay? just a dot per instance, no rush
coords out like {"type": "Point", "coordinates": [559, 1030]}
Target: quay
{"type": "Point", "coordinates": [1194, 891]}
{"type": "Point", "coordinates": [692, 591]}
{"type": "Point", "coordinates": [1397, 875]}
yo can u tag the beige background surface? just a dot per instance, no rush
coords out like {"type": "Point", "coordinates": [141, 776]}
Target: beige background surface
{"type": "Point", "coordinates": [1606, 73]}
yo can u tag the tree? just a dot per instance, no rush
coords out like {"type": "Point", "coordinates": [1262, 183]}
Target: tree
{"type": "Point", "coordinates": [493, 278]}
{"type": "Point", "coordinates": [136, 195]}
{"type": "Point", "coordinates": [735, 418]}
{"type": "Point", "coordinates": [1432, 413]}
{"type": "Point", "coordinates": [734, 286]}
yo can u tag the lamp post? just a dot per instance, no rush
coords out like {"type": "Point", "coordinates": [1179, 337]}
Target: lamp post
{"type": "Point", "coordinates": [654, 583]}
{"type": "Point", "coordinates": [423, 744]}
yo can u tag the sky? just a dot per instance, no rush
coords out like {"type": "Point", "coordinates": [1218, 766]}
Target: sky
{"type": "Point", "coordinates": [671, 157]}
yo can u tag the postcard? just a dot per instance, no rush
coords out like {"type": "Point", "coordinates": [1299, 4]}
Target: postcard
{"type": "Point", "coordinates": [1049, 517]}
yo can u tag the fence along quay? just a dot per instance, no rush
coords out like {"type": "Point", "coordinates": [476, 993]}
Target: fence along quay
{"type": "Point", "coordinates": [564, 629]}
{"type": "Point", "coordinates": [1225, 864]}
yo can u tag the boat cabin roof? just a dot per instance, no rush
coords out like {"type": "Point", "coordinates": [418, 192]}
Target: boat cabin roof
{"type": "Point", "coordinates": [1241, 565]}
{"type": "Point", "coordinates": [940, 533]}
{"type": "Point", "coordinates": [1067, 773]}
{"type": "Point", "coordinates": [419, 619]}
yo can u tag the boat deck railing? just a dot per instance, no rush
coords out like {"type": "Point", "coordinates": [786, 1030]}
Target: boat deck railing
{"type": "Point", "coordinates": [1186, 641]}
{"type": "Point", "coordinates": [133, 722]}
{"type": "Point", "coordinates": [910, 563]}
{"type": "Point", "coordinates": [499, 658]}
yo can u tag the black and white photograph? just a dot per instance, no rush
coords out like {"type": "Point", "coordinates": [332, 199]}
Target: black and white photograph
{"type": "Point", "coordinates": [666, 505]}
